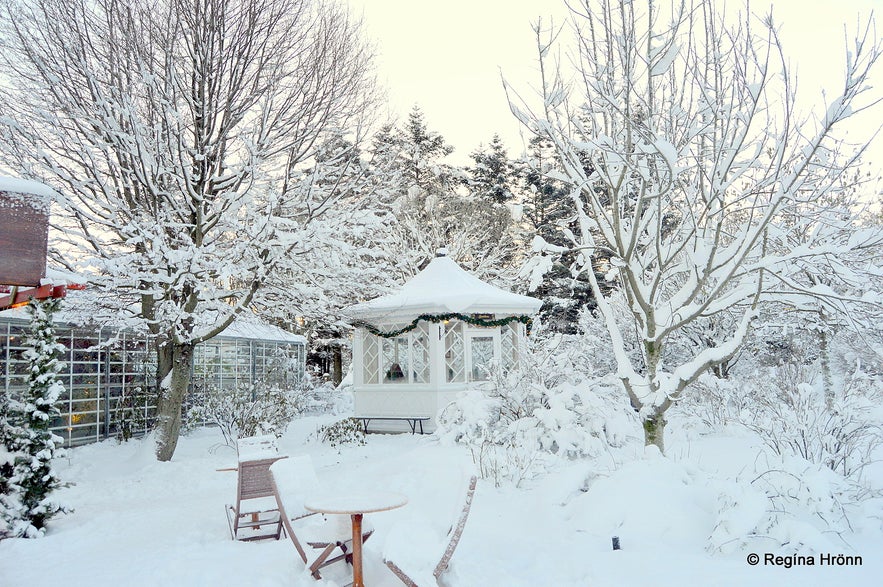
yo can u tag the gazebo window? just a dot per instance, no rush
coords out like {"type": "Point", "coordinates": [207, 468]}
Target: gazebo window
{"type": "Point", "coordinates": [509, 346]}
{"type": "Point", "coordinates": [455, 353]}
{"type": "Point", "coordinates": [401, 359]}
{"type": "Point", "coordinates": [370, 354]}
{"type": "Point", "coordinates": [395, 359]}
{"type": "Point", "coordinates": [420, 353]}
{"type": "Point", "coordinates": [481, 356]}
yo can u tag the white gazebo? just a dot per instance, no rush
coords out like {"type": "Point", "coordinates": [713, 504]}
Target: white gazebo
{"type": "Point", "coordinates": [415, 349]}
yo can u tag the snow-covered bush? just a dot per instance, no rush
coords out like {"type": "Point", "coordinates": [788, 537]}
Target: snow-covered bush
{"type": "Point", "coordinates": [788, 408]}
{"type": "Point", "coordinates": [27, 446]}
{"type": "Point", "coordinates": [322, 397]}
{"type": "Point", "coordinates": [550, 407]}
{"type": "Point", "coordinates": [130, 416]}
{"type": "Point", "coordinates": [809, 393]}
{"type": "Point", "coordinates": [342, 432]}
{"type": "Point", "coordinates": [787, 504]}
{"type": "Point", "coordinates": [246, 410]}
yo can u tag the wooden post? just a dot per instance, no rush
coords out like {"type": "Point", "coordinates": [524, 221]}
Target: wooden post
{"type": "Point", "coordinates": [357, 550]}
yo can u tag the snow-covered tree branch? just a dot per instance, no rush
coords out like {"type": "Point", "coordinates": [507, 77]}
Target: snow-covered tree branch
{"type": "Point", "coordinates": [174, 130]}
{"type": "Point", "coordinates": [690, 168]}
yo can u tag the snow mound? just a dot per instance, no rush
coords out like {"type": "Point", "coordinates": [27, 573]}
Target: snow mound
{"type": "Point", "coordinates": [645, 503]}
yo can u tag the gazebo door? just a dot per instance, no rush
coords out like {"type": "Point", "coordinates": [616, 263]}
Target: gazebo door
{"type": "Point", "coordinates": [482, 347]}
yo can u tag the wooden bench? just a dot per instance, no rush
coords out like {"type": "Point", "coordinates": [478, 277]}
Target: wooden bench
{"type": "Point", "coordinates": [413, 422]}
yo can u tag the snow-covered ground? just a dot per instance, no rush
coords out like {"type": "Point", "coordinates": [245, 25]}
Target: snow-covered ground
{"type": "Point", "coordinates": [138, 522]}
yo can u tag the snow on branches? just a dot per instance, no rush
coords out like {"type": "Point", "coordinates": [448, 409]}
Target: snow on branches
{"type": "Point", "coordinates": [697, 189]}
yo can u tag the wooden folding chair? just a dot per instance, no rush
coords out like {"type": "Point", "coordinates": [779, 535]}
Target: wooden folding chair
{"type": "Point", "coordinates": [258, 518]}
{"type": "Point", "coordinates": [411, 572]}
{"type": "Point", "coordinates": [293, 480]}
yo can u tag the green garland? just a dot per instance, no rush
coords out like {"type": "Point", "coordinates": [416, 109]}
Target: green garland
{"type": "Point", "coordinates": [436, 318]}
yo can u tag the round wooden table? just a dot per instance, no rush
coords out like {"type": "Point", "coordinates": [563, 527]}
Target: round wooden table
{"type": "Point", "coordinates": [356, 505]}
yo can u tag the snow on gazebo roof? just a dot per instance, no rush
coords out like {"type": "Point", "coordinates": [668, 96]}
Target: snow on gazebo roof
{"type": "Point", "coordinates": [444, 287]}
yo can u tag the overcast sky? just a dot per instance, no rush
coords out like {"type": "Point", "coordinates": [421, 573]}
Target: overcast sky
{"type": "Point", "coordinates": [448, 57]}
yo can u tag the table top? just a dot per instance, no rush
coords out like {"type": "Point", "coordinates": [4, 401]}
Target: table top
{"type": "Point", "coordinates": [355, 503]}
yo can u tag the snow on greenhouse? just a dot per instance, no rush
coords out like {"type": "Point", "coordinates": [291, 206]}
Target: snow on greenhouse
{"type": "Point", "coordinates": [108, 371]}
{"type": "Point", "coordinates": [416, 349]}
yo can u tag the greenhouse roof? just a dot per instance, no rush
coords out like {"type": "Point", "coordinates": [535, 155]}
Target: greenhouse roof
{"type": "Point", "coordinates": [246, 325]}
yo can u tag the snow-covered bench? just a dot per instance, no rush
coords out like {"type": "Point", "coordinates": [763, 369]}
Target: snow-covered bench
{"type": "Point", "coordinates": [413, 422]}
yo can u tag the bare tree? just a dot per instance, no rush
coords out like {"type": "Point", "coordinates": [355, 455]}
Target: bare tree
{"type": "Point", "coordinates": [690, 168]}
{"type": "Point", "coordinates": [172, 128]}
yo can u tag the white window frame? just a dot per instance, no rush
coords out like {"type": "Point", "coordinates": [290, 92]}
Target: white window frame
{"type": "Point", "coordinates": [470, 332]}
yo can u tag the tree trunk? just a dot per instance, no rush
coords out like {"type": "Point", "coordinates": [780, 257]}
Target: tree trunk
{"type": "Point", "coordinates": [336, 364]}
{"type": "Point", "coordinates": [172, 389]}
{"type": "Point", "coordinates": [654, 431]}
{"type": "Point", "coordinates": [654, 424]}
{"type": "Point", "coordinates": [825, 363]}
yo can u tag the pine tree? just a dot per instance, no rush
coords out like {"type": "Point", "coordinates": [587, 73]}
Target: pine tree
{"type": "Point", "coordinates": [8, 501]}
{"type": "Point", "coordinates": [550, 215]}
{"type": "Point", "coordinates": [29, 445]}
{"type": "Point", "coordinates": [422, 153]}
{"type": "Point", "coordinates": [493, 175]}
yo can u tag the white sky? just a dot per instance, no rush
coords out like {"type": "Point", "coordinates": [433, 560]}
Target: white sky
{"type": "Point", "coordinates": [447, 56]}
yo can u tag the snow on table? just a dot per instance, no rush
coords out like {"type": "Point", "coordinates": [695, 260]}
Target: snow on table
{"type": "Point", "coordinates": [353, 503]}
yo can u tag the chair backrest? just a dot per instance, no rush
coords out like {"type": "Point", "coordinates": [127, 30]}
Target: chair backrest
{"type": "Point", "coordinates": [456, 530]}
{"type": "Point", "coordinates": [254, 478]}
{"type": "Point", "coordinates": [295, 479]}
{"type": "Point", "coordinates": [255, 455]}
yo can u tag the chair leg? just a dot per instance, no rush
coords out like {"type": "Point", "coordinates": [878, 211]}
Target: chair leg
{"type": "Point", "coordinates": [232, 520]}
{"type": "Point", "coordinates": [403, 577]}
{"type": "Point", "coordinates": [314, 568]}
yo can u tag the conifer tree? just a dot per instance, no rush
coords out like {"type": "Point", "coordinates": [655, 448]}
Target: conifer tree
{"type": "Point", "coordinates": [549, 215]}
{"type": "Point", "coordinates": [29, 445]}
{"type": "Point", "coordinates": [422, 153]}
{"type": "Point", "coordinates": [493, 175]}
{"type": "Point", "coordinates": [417, 193]}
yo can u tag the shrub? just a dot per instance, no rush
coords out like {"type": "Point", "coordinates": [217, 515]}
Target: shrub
{"type": "Point", "coordinates": [550, 407]}
{"type": "Point", "coordinates": [246, 410]}
{"type": "Point", "coordinates": [348, 431]}
{"type": "Point", "coordinates": [130, 416]}
{"type": "Point", "coordinates": [788, 408]}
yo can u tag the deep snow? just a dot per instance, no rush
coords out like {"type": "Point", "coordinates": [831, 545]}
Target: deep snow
{"type": "Point", "coordinates": [138, 522]}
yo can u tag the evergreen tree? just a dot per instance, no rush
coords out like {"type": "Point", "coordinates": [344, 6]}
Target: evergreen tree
{"type": "Point", "coordinates": [493, 175]}
{"type": "Point", "coordinates": [418, 194]}
{"type": "Point", "coordinates": [25, 505]}
{"type": "Point", "coordinates": [421, 155]}
{"type": "Point", "coordinates": [549, 214]}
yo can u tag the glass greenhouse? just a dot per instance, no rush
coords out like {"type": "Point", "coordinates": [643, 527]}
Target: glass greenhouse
{"type": "Point", "coordinates": [107, 372]}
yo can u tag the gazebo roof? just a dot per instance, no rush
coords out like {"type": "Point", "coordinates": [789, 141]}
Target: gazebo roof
{"type": "Point", "coordinates": [445, 287]}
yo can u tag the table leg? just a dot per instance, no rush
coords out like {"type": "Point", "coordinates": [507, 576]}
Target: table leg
{"type": "Point", "coordinates": [357, 550]}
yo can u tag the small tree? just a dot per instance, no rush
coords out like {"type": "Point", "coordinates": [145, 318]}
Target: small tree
{"type": "Point", "coordinates": [25, 504]}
